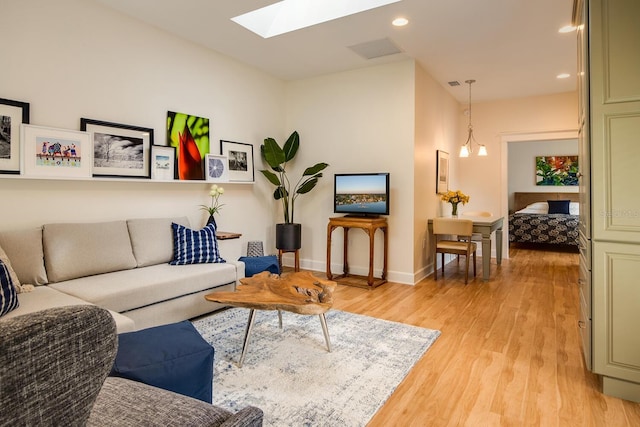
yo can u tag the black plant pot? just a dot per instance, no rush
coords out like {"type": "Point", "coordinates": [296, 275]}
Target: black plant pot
{"type": "Point", "coordinates": [288, 236]}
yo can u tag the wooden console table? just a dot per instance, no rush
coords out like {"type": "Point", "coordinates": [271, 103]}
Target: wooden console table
{"type": "Point", "coordinates": [369, 225]}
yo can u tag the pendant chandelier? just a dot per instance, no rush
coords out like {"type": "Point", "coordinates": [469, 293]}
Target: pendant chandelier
{"type": "Point", "coordinates": [467, 147]}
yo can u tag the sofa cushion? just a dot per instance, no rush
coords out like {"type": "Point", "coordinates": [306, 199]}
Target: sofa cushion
{"type": "Point", "coordinates": [82, 249]}
{"type": "Point", "coordinates": [152, 239]}
{"type": "Point", "coordinates": [24, 249]}
{"type": "Point", "coordinates": [126, 290]}
{"type": "Point", "coordinates": [8, 293]}
{"type": "Point", "coordinates": [195, 247]}
{"type": "Point", "coordinates": [45, 297]}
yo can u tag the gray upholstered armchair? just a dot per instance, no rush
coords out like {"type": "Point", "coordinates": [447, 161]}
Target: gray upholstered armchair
{"type": "Point", "coordinates": [53, 371]}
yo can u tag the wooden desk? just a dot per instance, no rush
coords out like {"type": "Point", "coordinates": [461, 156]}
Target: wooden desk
{"type": "Point", "coordinates": [369, 225]}
{"type": "Point", "coordinates": [484, 226]}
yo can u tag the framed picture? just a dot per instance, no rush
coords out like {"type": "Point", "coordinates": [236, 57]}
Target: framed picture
{"type": "Point", "coordinates": [119, 150]}
{"type": "Point", "coordinates": [163, 163]}
{"type": "Point", "coordinates": [190, 135]}
{"type": "Point", "coordinates": [442, 172]}
{"type": "Point", "coordinates": [557, 170]}
{"type": "Point", "coordinates": [240, 160]}
{"type": "Point", "coordinates": [217, 168]}
{"type": "Point", "coordinates": [54, 152]}
{"type": "Point", "coordinates": [12, 115]}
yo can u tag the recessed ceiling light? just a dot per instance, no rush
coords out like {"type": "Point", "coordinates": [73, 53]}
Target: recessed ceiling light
{"type": "Point", "coordinates": [567, 29]}
{"type": "Point", "coordinates": [400, 22]}
{"type": "Point", "coordinates": [290, 15]}
{"type": "Point", "coordinates": [563, 76]}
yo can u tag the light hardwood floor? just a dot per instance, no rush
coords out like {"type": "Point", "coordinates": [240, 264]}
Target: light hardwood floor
{"type": "Point", "coordinates": [509, 353]}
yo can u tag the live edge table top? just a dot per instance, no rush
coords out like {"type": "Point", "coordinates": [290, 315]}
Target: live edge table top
{"type": "Point", "coordinates": [301, 293]}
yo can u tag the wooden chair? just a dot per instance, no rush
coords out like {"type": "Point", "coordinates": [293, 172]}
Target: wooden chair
{"type": "Point", "coordinates": [446, 232]}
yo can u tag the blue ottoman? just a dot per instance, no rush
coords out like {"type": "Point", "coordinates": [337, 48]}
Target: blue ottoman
{"type": "Point", "coordinates": [258, 264]}
{"type": "Point", "coordinates": [172, 357]}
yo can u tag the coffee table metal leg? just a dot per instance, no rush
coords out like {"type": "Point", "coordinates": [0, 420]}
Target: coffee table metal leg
{"type": "Point", "coordinates": [247, 334]}
{"type": "Point", "coordinates": [323, 321]}
{"type": "Point", "coordinates": [280, 318]}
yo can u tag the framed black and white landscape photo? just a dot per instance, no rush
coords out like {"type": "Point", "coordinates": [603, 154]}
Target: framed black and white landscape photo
{"type": "Point", "coordinates": [240, 160]}
{"type": "Point", "coordinates": [122, 151]}
{"type": "Point", "coordinates": [12, 115]}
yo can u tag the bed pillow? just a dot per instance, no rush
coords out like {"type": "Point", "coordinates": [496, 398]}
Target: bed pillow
{"type": "Point", "coordinates": [195, 247]}
{"type": "Point", "coordinates": [8, 294]}
{"type": "Point", "coordinates": [574, 208]}
{"type": "Point", "coordinates": [535, 208]}
{"type": "Point", "coordinates": [558, 206]}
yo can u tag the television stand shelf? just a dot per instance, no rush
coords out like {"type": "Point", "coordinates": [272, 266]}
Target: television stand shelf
{"type": "Point", "coordinates": [369, 225]}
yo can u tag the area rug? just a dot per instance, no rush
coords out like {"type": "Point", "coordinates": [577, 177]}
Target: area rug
{"type": "Point", "coordinates": [292, 377]}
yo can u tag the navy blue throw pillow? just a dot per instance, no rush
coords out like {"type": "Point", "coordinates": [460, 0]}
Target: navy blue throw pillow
{"type": "Point", "coordinates": [8, 294]}
{"type": "Point", "coordinates": [558, 206]}
{"type": "Point", "coordinates": [195, 247]}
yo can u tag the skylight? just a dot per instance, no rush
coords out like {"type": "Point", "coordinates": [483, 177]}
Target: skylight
{"type": "Point", "coordinates": [290, 15]}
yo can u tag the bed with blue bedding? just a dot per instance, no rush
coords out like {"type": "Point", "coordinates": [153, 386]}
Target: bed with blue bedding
{"type": "Point", "coordinates": [551, 220]}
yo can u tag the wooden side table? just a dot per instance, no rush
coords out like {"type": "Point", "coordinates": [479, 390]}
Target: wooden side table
{"type": "Point", "coordinates": [369, 225]}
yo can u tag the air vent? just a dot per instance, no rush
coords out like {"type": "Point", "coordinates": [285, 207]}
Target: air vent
{"type": "Point", "coordinates": [376, 48]}
{"type": "Point", "coordinates": [454, 83]}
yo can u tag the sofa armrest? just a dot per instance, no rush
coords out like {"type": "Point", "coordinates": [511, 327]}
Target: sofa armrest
{"type": "Point", "coordinates": [247, 417]}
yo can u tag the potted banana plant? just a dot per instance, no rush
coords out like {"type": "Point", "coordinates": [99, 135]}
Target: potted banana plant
{"type": "Point", "coordinates": [288, 233]}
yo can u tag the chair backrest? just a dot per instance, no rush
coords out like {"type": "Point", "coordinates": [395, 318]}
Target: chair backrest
{"type": "Point", "coordinates": [454, 226]}
{"type": "Point", "coordinates": [53, 364]}
{"type": "Point", "coordinates": [478, 213]}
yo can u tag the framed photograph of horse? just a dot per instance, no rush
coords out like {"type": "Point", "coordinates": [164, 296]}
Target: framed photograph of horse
{"type": "Point", "coordinates": [120, 151]}
{"type": "Point", "coordinates": [55, 153]}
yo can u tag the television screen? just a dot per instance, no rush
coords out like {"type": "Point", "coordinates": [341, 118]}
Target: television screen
{"type": "Point", "coordinates": [361, 193]}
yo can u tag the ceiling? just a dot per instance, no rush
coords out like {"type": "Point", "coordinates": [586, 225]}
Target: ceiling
{"type": "Point", "coordinates": [512, 48]}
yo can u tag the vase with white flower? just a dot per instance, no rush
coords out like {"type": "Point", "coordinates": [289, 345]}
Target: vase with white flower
{"type": "Point", "coordinates": [215, 192]}
{"type": "Point", "coordinates": [454, 197]}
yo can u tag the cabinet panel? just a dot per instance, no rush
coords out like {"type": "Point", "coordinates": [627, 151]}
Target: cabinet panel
{"type": "Point", "coordinates": [616, 292]}
{"type": "Point", "coordinates": [620, 36]}
{"type": "Point", "coordinates": [616, 209]}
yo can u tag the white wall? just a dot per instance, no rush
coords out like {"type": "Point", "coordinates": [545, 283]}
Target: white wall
{"type": "Point", "coordinates": [71, 59]}
{"type": "Point", "coordinates": [522, 164]}
{"type": "Point", "coordinates": [436, 128]}
{"type": "Point", "coordinates": [357, 121]}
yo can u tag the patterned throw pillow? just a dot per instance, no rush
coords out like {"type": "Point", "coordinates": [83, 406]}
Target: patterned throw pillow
{"type": "Point", "coordinates": [195, 247]}
{"type": "Point", "coordinates": [8, 294]}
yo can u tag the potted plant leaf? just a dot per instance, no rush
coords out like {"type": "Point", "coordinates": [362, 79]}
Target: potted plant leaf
{"type": "Point", "coordinates": [288, 233]}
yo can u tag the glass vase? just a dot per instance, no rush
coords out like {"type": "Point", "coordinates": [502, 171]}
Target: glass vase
{"type": "Point", "coordinates": [454, 209]}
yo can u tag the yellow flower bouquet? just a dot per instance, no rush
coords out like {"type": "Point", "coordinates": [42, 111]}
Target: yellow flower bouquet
{"type": "Point", "coordinates": [454, 197]}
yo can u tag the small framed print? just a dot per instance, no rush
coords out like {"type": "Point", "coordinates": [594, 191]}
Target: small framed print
{"type": "Point", "coordinates": [163, 163]}
{"type": "Point", "coordinates": [54, 152]}
{"type": "Point", "coordinates": [121, 151]}
{"type": "Point", "coordinates": [442, 172]}
{"type": "Point", "coordinates": [217, 168]}
{"type": "Point", "coordinates": [240, 160]}
{"type": "Point", "coordinates": [12, 115]}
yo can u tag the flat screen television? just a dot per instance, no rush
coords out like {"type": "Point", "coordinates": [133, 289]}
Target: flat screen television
{"type": "Point", "coordinates": [361, 194]}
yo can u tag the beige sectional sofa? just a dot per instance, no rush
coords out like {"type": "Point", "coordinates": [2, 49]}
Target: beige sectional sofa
{"type": "Point", "coordinates": [122, 266]}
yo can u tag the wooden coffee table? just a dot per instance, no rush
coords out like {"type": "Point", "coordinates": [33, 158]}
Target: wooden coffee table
{"type": "Point", "coordinates": [300, 293]}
